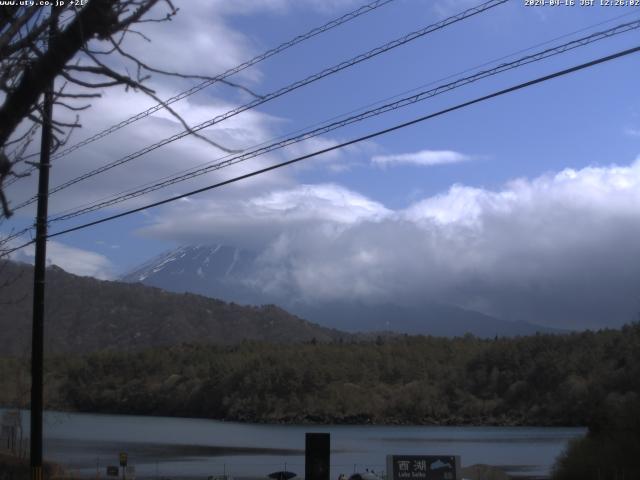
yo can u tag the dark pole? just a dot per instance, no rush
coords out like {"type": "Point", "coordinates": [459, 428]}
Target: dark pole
{"type": "Point", "coordinates": [317, 456]}
{"type": "Point", "coordinates": [37, 339]}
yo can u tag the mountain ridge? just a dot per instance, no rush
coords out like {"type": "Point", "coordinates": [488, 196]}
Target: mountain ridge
{"type": "Point", "coordinates": [229, 273]}
{"type": "Point", "coordinates": [84, 314]}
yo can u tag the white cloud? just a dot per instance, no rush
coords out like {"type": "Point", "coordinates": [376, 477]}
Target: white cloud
{"type": "Point", "coordinates": [251, 128]}
{"type": "Point", "coordinates": [250, 223]}
{"type": "Point", "coordinates": [201, 30]}
{"type": "Point", "coordinates": [198, 41]}
{"type": "Point", "coordinates": [423, 158]}
{"type": "Point", "coordinates": [632, 132]}
{"type": "Point", "coordinates": [326, 202]}
{"type": "Point", "coordinates": [73, 260]}
{"type": "Point", "coordinates": [557, 249]}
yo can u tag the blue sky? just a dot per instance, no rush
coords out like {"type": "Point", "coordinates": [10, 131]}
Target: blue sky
{"type": "Point", "coordinates": [528, 191]}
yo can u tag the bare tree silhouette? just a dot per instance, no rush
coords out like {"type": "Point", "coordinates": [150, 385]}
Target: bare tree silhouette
{"type": "Point", "coordinates": [78, 46]}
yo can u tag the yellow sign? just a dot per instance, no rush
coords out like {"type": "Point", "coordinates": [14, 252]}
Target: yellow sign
{"type": "Point", "coordinates": [123, 459]}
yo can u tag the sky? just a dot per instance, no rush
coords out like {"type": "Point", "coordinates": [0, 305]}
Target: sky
{"type": "Point", "coordinates": [526, 206]}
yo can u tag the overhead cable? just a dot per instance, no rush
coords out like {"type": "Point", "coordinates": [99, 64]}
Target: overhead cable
{"type": "Point", "coordinates": [403, 102]}
{"type": "Point", "coordinates": [202, 85]}
{"type": "Point", "coordinates": [360, 109]}
{"type": "Point", "coordinates": [378, 133]}
{"type": "Point", "coordinates": [459, 106]}
{"type": "Point", "coordinates": [278, 93]}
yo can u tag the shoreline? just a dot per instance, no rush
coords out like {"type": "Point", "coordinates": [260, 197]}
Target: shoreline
{"type": "Point", "coordinates": [8, 463]}
{"type": "Point", "coordinates": [314, 420]}
{"type": "Point", "coordinates": [501, 464]}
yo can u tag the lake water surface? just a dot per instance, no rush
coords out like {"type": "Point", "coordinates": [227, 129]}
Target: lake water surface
{"type": "Point", "coordinates": [166, 447]}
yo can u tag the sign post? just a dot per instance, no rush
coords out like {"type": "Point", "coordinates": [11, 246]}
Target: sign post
{"type": "Point", "coordinates": [423, 467]}
{"type": "Point", "coordinates": [123, 463]}
{"type": "Point", "coordinates": [317, 456]}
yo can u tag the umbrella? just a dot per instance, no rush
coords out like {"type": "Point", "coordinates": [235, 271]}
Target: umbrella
{"type": "Point", "coordinates": [282, 475]}
{"type": "Point", "coordinates": [364, 476]}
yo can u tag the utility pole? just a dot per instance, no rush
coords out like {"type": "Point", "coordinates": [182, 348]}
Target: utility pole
{"type": "Point", "coordinates": [37, 334]}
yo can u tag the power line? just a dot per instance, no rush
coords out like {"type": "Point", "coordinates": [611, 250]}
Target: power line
{"type": "Point", "coordinates": [490, 62]}
{"type": "Point", "coordinates": [308, 134]}
{"type": "Point", "coordinates": [6, 253]}
{"type": "Point", "coordinates": [344, 115]}
{"type": "Point", "coordinates": [421, 96]}
{"type": "Point", "coordinates": [232, 71]}
{"type": "Point", "coordinates": [359, 139]}
{"type": "Point", "coordinates": [8, 238]}
{"type": "Point", "coordinates": [278, 93]}
{"type": "Point", "coordinates": [17, 234]}
{"type": "Point", "coordinates": [344, 144]}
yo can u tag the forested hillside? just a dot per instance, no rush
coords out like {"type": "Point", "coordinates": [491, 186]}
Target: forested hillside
{"type": "Point", "coordinates": [84, 315]}
{"type": "Point", "coordinates": [537, 380]}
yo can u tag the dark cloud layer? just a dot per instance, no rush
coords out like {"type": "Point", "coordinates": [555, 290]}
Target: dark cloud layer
{"type": "Point", "coordinates": [559, 250]}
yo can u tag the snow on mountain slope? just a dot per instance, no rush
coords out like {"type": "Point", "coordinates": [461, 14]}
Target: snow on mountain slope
{"type": "Point", "coordinates": [230, 274]}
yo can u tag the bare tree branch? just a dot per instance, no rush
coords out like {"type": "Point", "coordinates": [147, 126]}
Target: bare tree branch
{"type": "Point", "coordinates": [93, 19]}
{"type": "Point", "coordinates": [181, 75]}
{"type": "Point", "coordinates": [32, 54]}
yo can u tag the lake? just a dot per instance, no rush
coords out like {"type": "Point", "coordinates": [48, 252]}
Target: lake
{"type": "Point", "coordinates": [166, 447]}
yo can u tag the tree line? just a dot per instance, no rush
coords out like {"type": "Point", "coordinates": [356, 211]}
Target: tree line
{"type": "Point", "coordinates": [588, 379]}
{"type": "Point", "coordinates": [535, 380]}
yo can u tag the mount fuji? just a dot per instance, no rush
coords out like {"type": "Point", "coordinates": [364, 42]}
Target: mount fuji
{"type": "Point", "coordinates": [229, 273]}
